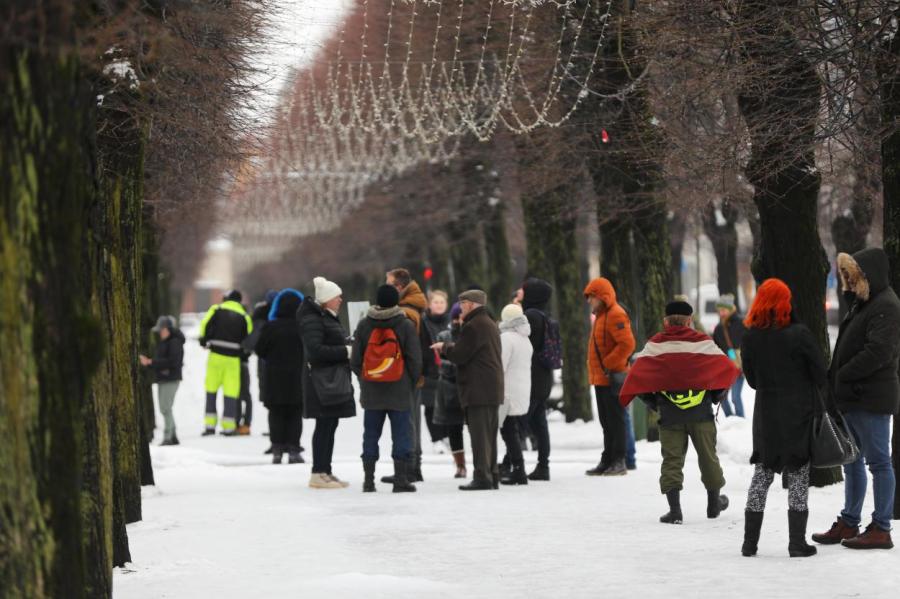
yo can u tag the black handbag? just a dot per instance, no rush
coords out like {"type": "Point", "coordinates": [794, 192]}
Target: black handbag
{"type": "Point", "coordinates": [832, 444]}
{"type": "Point", "coordinates": [332, 384]}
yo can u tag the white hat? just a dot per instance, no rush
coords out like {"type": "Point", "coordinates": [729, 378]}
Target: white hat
{"type": "Point", "coordinates": [326, 290]}
{"type": "Point", "coordinates": [511, 312]}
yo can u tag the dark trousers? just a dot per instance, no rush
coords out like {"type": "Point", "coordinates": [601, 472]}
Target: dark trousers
{"type": "Point", "coordinates": [612, 419]}
{"type": "Point", "coordinates": [244, 402]}
{"type": "Point", "coordinates": [483, 424]}
{"type": "Point", "coordinates": [415, 423]}
{"type": "Point", "coordinates": [455, 436]}
{"type": "Point", "coordinates": [673, 440]}
{"type": "Point", "coordinates": [436, 431]}
{"type": "Point", "coordinates": [510, 433]}
{"type": "Point", "coordinates": [541, 385]}
{"type": "Point", "coordinates": [373, 425]}
{"type": "Point", "coordinates": [323, 444]}
{"type": "Point", "coordinates": [895, 458]}
{"type": "Point", "coordinates": [285, 426]}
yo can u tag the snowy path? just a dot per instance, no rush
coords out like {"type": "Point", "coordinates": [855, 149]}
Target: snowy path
{"type": "Point", "coordinates": [223, 522]}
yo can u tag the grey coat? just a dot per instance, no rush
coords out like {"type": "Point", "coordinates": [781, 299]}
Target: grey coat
{"type": "Point", "coordinates": [396, 395]}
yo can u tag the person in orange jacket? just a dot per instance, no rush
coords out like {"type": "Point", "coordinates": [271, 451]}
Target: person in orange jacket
{"type": "Point", "coordinates": [610, 346]}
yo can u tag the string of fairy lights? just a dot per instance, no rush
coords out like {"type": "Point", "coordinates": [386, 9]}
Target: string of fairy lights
{"type": "Point", "coordinates": [404, 88]}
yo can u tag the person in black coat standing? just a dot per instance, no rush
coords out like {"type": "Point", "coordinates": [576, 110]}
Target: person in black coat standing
{"type": "Point", "coordinates": [786, 366]}
{"type": "Point", "coordinates": [386, 385]}
{"type": "Point", "coordinates": [326, 349]}
{"type": "Point", "coordinates": [536, 295]}
{"type": "Point", "coordinates": [166, 364]}
{"type": "Point", "coordinates": [865, 388]}
{"type": "Point", "coordinates": [448, 413]}
{"type": "Point", "coordinates": [436, 320]}
{"type": "Point", "coordinates": [280, 348]}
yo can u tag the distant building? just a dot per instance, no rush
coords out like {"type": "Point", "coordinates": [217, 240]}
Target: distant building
{"type": "Point", "coordinates": [215, 278]}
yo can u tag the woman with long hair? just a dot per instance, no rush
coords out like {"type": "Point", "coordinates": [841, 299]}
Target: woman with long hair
{"type": "Point", "coordinates": [783, 361]}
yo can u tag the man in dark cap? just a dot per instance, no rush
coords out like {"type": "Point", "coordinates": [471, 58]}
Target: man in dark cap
{"type": "Point", "coordinates": [479, 362]}
{"type": "Point", "coordinates": [681, 373]}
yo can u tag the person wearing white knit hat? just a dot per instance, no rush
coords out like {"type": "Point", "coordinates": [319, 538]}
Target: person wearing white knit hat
{"type": "Point", "coordinates": [327, 389]}
{"type": "Point", "coordinates": [326, 291]}
{"type": "Point", "coordinates": [516, 352]}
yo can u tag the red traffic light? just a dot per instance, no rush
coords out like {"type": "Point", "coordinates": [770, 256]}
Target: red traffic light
{"type": "Point", "coordinates": [428, 273]}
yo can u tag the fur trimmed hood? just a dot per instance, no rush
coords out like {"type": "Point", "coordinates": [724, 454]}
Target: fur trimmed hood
{"type": "Point", "coordinates": [865, 273]}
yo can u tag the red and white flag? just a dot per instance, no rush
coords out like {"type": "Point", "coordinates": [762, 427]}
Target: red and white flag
{"type": "Point", "coordinates": [678, 359]}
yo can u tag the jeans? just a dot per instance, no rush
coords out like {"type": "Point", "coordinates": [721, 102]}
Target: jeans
{"type": "Point", "coordinates": [166, 391]}
{"type": "Point", "coordinates": [736, 390]}
{"type": "Point", "coordinates": [373, 425]}
{"type": "Point", "coordinates": [873, 435]}
{"type": "Point", "coordinates": [323, 444]}
{"type": "Point", "coordinates": [630, 451]}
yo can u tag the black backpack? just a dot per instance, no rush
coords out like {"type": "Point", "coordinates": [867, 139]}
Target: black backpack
{"type": "Point", "coordinates": [550, 355]}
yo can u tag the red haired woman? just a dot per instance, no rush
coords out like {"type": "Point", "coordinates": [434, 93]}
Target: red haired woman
{"type": "Point", "coordinates": [784, 363]}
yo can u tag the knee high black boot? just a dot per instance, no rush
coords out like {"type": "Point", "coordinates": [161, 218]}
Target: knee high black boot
{"type": "Point", "coordinates": [752, 526]}
{"type": "Point", "coordinates": [798, 547]}
{"type": "Point", "coordinates": [369, 476]}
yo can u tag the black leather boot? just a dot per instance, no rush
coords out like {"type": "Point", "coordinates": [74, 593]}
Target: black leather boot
{"type": "Point", "coordinates": [798, 547]}
{"type": "Point", "coordinates": [715, 503]}
{"type": "Point", "coordinates": [752, 526]}
{"type": "Point", "coordinates": [369, 476]}
{"type": "Point", "coordinates": [673, 516]}
{"type": "Point", "coordinates": [401, 482]}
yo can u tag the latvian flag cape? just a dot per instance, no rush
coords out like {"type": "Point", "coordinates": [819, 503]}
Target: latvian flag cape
{"type": "Point", "coordinates": [678, 359]}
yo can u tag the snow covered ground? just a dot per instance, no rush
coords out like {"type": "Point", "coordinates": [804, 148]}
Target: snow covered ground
{"type": "Point", "coordinates": [223, 522]}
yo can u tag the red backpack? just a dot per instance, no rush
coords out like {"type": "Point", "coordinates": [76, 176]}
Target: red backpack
{"type": "Point", "coordinates": [383, 361]}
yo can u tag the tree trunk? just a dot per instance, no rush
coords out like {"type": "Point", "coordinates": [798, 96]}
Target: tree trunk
{"type": "Point", "coordinates": [53, 343]}
{"type": "Point", "coordinates": [724, 239]}
{"type": "Point", "coordinates": [890, 182]}
{"type": "Point", "coordinates": [677, 233]}
{"type": "Point", "coordinates": [779, 100]}
{"type": "Point", "coordinates": [499, 266]}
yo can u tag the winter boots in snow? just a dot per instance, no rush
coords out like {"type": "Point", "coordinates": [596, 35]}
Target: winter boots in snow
{"type": "Point", "coordinates": [369, 476]}
{"type": "Point", "coordinates": [715, 503]}
{"type": "Point", "coordinates": [839, 531]}
{"type": "Point", "coordinates": [515, 476]}
{"type": "Point", "coordinates": [277, 454]}
{"type": "Point", "coordinates": [321, 480]}
{"type": "Point", "coordinates": [673, 516]}
{"type": "Point", "coordinates": [617, 468]}
{"type": "Point", "coordinates": [173, 440]}
{"type": "Point", "coordinates": [597, 470]}
{"type": "Point", "coordinates": [874, 537]}
{"type": "Point", "coordinates": [459, 458]}
{"type": "Point", "coordinates": [752, 526]}
{"type": "Point", "coordinates": [401, 480]}
{"type": "Point", "coordinates": [478, 485]}
{"type": "Point", "coordinates": [540, 473]}
{"type": "Point", "coordinates": [413, 473]}
{"type": "Point", "coordinates": [798, 547]}
{"type": "Point", "coordinates": [294, 457]}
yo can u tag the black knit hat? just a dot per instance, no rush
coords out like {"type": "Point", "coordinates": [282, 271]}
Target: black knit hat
{"type": "Point", "coordinates": [233, 296]}
{"type": "Point", "coordinates": [387, 296]}
{"type": "Point", "coordinates": [679, 308]}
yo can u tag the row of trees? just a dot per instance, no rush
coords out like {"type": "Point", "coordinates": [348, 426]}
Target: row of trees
{"type": "Point", "coordinates": [705, 113]}
{"type": "Point", "coordinates": [119, 121]}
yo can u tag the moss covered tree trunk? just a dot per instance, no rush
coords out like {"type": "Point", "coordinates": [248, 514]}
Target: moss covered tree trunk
{"type": "Point", "coordinates": [52, 342]}
{"type": "Point", "coordinates": [779, 101]}
{"type": "Point", "coordinates": [890, 169]}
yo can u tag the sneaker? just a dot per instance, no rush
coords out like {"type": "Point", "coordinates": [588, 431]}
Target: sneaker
{"type": "Point", "coordinates": [318, 480]}
{"type": "Point", "coordinates": [243, 430]}
{"type": "Point", "coordinates": [333, 478]}
{"type": "Point", "coordinates": [874, 537]}
{"type": "Point", "coordinates": [839, 531]}
{"type": "Point", "coordinates": [616, 469]}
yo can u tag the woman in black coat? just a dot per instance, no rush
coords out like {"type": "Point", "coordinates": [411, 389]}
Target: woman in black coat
{"type": "Point", "coordinates": [280, 348]}
{"type": "Point", "coordinates": [448, 412]}
{"type": "Point", "coordinates": [325, 346]}
{"type": "Point", "coordinates": [436, 320]}
{"type": "Point", "coordinates": [783, 361]}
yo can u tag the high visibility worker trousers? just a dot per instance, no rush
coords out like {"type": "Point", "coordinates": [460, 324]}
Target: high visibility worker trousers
{"type": "Point", "coordinates": [222, 372]}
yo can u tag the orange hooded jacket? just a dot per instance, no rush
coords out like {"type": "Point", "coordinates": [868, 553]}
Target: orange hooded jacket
{"type": "Point", "coordinates": [611, 342]}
